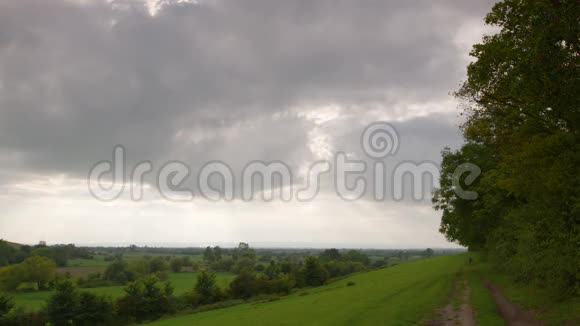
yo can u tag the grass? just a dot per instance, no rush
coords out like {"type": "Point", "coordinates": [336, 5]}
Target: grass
{"type": "Point", "coordinates": [547, 307]}
{"type": "Point", "coordinates": [400, 295]}
{"type": "Point", "coordinates": [541, 302]}
{"type": "Point", "coordinates": [481, 300]}
{"type": "Point", "coordinates": [182, 282]}
{"type": "Point", "coordinates": [97, 261]}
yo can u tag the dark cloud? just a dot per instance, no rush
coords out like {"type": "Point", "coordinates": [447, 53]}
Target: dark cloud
{"type": "Point", "coordinates": [216, 79]}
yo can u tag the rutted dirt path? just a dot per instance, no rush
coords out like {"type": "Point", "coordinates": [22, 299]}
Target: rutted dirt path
{"type": "Point", "coordinates": [511, 313]}
{"type": "Point", "coordinates": [458, 311]}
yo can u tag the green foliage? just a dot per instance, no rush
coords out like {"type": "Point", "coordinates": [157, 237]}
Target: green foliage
{"type": "Point", "coordinates": [39, 270]}
{"type": "Point", "coordinates": [158, 264]}
{"type": "Point", "coordinates": [63, 304]}
{"type": "Point", "coordinates": [145, 299]}
{"type": "Point", "coordinates": [244, 285]}
{"type": "Point", "coordinates": [67, 305]}
{"type": "Point", "coordinates": [330, 254]}
{"type": "Point", "coordinates": [206, 289]}
{"type": "Point", "coordinates": [18, 317]}
{"type": "Point", "coordinates": [380, 297]}
{"type": "Point", "coordinates": [36, 269]}
{"type": "Point", "coordinates": [117, 272]}
{"type": "Point", "coordinates": [10, 277]}
{"type": "Point", "coordinates": [176, 265]}
{"type": "Point", "coordinates": [93, 309]}
{"type": "Point", "coordinates": [223, 265]}
{"type": "Point", "coordinates": [6, 303]}
{"type": "Point", "coordinates": [357, 257]}
{"type": "Point", "coordinates": [217, 253]}
{"type": "Point", "coordinates": [244, 264]}
{"type": "Point", "coordinates": [522, 130]}
{"type": "Point", "coordinates": [314, 274]}
{"type": "Point", "coordinates": [208, 255]}
{"type": "Point", "coordinates": [7, 253]}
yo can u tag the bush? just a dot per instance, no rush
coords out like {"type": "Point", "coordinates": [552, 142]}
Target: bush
{"type": "Point", "coordinates": [206, 289]}
{"type": "Point", "coordinates": [176, 265]}
{"type": "Point", "coordinates": [145, 300]}
{"type": "Point", "coordinates": [63, 304]}
{"type": "Point", "coordinates": [222, 265]}
{"type": "Point", "coordinates": [93, 310]}
{"type": "Point", "coordinates": [117, 272]}
{"type": "Point", "coordinates": [6, 304]}
{"type": "Point", "coordinates": [18, 317]}
{"type": "Point", "coordinates": [314, 274]}
{"type": "Point", "coordinates": [244, 286]}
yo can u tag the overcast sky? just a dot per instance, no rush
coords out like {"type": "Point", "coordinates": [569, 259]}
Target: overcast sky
{"type": "Point", "coordinates": [236, 81]}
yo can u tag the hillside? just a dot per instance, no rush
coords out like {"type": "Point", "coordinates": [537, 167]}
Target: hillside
{"type": "Point", "coordinates": [12, 244]}
{"type": "Point", "coordinates": [404, 294]}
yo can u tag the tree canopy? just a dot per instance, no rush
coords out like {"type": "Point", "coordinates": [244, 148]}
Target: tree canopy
{"type": "Point", "coordinates": [522, 115]}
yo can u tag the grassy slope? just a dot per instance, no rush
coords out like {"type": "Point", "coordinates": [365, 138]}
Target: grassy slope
{"type": "Point", "coordinates": [182, 282]}
{"type": "Point", "coordinates": [400, 295]}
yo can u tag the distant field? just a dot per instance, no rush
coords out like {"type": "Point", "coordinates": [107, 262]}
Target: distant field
{"type": "Point", "coordinates": [182, 282]}
{"type": "Point", "coordinates": [81, 267]}
{"type": "Point", "coordinates": [400, 295]}
{"type": "Point", "coordinates": [97, 261]}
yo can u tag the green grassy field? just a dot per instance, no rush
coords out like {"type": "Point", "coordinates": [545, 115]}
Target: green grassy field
{"type": "Point", "coordinates": [97, 261]}
{"type": "Point", "coordinates": [182, 282]}
{"type": "Point", "coordinates": [402, 295]}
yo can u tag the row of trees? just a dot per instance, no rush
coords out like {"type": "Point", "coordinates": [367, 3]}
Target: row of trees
{"type": "Point", "coordinates": [60, 254]}
{"type": "Point", "coordinates": [36, 269]}
{"type": "Point", "coordinates": [121, 272]}
{"type": "Point", "coordinates": [522, 109]}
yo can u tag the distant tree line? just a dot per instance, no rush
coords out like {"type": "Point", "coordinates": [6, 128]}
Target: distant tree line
{"type": "Point", "coordinates": [149, 296]}
{"type": "Point", "coordinates": [60, 254]}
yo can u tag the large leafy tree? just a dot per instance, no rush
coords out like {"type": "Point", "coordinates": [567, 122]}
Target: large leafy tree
{"type": "Point", "coordinates": [39, 270]}
{"type": "Point", "coordinates": [522, 109]}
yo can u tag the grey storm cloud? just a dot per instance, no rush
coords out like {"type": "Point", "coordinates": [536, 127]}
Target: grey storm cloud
{"type": "Point", "coordinates": [217, 79]}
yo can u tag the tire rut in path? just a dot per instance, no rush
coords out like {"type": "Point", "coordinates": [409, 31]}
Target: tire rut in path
{"type": "Point", "coordinates": [456, 315]}
{"type": "Point", "coordinates": [511, 313]}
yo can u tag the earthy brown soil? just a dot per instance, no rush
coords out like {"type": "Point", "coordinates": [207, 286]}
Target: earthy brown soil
{"type": "Point", "coordinates": [512, 314]}
{"type": "Point", "coordinates": [452, 314]}
{"type": "Point", "coordinates": [462, 314]}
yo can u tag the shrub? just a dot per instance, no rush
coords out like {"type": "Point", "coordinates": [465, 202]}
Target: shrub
{"type": "Point", "coordinates": [176, 265]}
{"type": "Point", "coordinates": [145, 300]}
{"type": "Point", "coordinates": [6, 304]}
{"type": "Point", "coordinates": [62, 305]}
{"type": "Point", "coordinates": [18, 316]}
{"type": "Point", "coordinates": [206, 289]}
{"type": "Point", "coordinates": [314, 274]}
{"type": "Point", "coordinates": [244, 286]}
{"type": "Point", "coordinates": [93, 310]}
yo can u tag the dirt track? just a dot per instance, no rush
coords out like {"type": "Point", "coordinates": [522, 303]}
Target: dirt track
{"type": "Point", "coordinates": [463, 314]}
{"type": "Point", "coordinates": [511, 313]}
{"type": "Point", "coordinates": [451, 314]}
